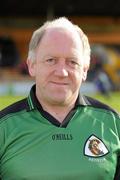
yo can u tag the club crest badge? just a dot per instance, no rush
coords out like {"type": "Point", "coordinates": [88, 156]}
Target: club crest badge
{"type": "Point", "coordinates": [94, 147]}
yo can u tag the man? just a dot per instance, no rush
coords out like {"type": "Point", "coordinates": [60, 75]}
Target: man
{"type": "Point", "coordinates": [56, 133]}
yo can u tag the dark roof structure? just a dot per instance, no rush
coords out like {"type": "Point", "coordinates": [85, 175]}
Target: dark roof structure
{"type": "Point", "coordinates": [59, 7]}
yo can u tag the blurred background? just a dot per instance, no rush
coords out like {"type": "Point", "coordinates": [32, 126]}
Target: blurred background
{"type": "Point", "coordinates": [100, 20]}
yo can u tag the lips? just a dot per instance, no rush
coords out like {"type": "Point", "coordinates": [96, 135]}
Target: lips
{"type": "Point", "coordinates": [60, 83]}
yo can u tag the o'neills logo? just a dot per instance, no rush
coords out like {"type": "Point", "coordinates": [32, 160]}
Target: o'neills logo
{"type": "Point", "coordinates": [94, 147]}
{"type": "Point", "coordinates": [62, 137]}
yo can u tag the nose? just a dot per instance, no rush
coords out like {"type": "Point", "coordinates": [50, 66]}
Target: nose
{"type": "Point", "coordinates": [61, 69]}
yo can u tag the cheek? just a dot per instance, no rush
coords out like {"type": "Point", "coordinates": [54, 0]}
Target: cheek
{"type": "Point", "coordinates": [81, 75]}
{"type": "Point", "coordinates": [77, 79]}
{"type": "Point", "coordinates": [42, 75]}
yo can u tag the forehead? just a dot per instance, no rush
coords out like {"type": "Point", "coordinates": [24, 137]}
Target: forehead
{"type": "Point", "coordinates": [61, 36]}
{"type": "Point", "coordinates": [60, 40]}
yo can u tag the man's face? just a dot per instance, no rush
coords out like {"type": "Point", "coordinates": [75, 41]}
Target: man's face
{"type": "Point", "coordinates": [58, 68]}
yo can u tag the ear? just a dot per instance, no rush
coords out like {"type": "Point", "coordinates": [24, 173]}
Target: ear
{"type": "Point", "coordinates": [31, 67]}
{"type": "Point", "coordinates": [85, 70]}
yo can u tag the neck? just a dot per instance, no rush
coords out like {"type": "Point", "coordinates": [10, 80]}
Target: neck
{"type": "Point", "coordinates": [59, 112]}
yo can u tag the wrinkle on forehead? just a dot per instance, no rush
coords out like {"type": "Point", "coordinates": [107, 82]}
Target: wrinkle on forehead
{"type": "Point", "coordinates": [63, 31]}
{"type": "Point", "coordinates": [62, 38]}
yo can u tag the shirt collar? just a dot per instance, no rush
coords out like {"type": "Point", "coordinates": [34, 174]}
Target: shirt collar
{"type": "Point", "coordinates": [34, 103]}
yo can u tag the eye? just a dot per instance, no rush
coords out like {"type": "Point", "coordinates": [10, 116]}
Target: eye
{"type": "Point", "coordinates": [73, 63]}
{"type": "Point", "coordinates": [51, 61]}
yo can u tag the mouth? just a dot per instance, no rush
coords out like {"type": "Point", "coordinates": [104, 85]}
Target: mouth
{"type": "Point", "coordinates": [59, 83]}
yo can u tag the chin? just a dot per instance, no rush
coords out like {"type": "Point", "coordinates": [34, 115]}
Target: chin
{"type": "Point", "coordinates": [59, 101]}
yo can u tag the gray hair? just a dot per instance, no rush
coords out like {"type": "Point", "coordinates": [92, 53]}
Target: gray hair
{"type": "Point", "coordinates": [61, 22]}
